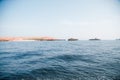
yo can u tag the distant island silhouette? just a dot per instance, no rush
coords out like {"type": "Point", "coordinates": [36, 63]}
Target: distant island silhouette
{"type": "Point", "coordinates": [94, 39]}
{"type": "Point", "coordinates": [72, 39]}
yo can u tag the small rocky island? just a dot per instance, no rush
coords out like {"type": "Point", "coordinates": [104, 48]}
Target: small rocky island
{"type": "Point", "coordinates": [72, 39]}
{"type": "Point", "coordinates": [117, 39]}
{"type": "Point", "coordinates": [95, 39]}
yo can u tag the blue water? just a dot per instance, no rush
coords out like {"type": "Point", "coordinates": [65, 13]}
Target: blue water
{"type": "Point", "coordinates": [60, 60]}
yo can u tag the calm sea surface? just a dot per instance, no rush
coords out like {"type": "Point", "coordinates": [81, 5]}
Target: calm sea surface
{"type": "Point", "coordinates": [60, 60]}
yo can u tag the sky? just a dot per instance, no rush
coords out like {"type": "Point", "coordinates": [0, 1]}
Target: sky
{"type": "Point", "coordinates": [82, 19]}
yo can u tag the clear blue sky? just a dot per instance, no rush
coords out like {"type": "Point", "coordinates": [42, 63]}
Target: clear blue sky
{"type": "Point", "coordinates": [82, 19]}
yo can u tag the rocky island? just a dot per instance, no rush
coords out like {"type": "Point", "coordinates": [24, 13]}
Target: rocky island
{"type": "Point", "coordinates": [72, 39]}
{"type": "Point", "coordinates": [95, 39]}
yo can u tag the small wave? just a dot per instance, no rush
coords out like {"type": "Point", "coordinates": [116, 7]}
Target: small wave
{"type": "Point", "coordinates": [70, 58]}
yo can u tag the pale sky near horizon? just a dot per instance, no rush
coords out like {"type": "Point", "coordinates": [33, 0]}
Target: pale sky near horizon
{"type": "Point", "coordinates": [82, 19]}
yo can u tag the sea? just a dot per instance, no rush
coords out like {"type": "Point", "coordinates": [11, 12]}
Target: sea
{"type": "Point", "coordinates": [60, 60]}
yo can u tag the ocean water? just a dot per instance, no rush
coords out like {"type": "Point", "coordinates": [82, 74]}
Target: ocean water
{"type": "Point", "coordinates": [60, 60]}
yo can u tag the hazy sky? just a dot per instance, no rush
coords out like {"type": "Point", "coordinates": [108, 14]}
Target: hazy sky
{"type": "Point", "coordinates": [82, 19]}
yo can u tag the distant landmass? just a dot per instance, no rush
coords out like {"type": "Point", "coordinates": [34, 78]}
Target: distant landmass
{"type": "Point", "coordinates": [27, 39]}
{"type": "Point", "coordinates": [41, 39]}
